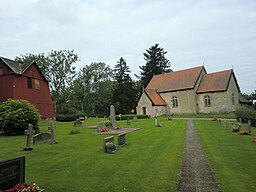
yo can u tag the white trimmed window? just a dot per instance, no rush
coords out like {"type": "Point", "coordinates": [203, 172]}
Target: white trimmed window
{"type": "Point", "coordinates": [174, 102]}
{"type": "Point", "coordinates": [207, 101]}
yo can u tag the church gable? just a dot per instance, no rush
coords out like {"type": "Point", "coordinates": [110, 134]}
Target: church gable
{"type": "Point", "coordinates": [215, 82]}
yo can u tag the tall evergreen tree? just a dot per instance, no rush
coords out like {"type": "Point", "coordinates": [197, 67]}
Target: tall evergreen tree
{"type": "Point", "coordinates": [123, 96]}
{"type": "Point", "coordinates": [156, 63]}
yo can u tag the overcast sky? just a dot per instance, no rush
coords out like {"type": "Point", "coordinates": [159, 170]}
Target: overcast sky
{"type": "Point", "coordinates": [220, 34]}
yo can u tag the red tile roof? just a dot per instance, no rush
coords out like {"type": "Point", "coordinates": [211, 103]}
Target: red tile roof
{"type": "Point", "coordinates": [213, 82]}
{"type": "Point", "coordinates": [178, 80]}
{"type": "Point", "coordinates": [155, 97]}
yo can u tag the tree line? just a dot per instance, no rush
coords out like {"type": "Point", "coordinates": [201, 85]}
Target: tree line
{"type": "Point", "coordinates": [96, 86]}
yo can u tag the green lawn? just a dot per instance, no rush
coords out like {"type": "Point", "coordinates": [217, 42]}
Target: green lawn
{"type": "Point", "coordinates": [149, 161]}
{"type": "Point", "coordinates": [212, 115]}
{"type": "Point", "coordinates": [232, 156]}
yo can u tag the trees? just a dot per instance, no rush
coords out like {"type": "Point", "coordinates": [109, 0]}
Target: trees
{"type": "Point", "coordinates": [156, 63]}
{"type": "Point", "coordinates": [40, 60]}
{"type": "Point", "coordinates": [57, 69]}
{"type": "Point", "coordinates": [124, 93]}
{"type": "Point", "coordinates": [61, 71]}
{"type": "Point", "coordinates": [93, 88]}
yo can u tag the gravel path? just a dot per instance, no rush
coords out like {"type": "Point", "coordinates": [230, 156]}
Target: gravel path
{"type": "Point", "coordinates": [196, 174]}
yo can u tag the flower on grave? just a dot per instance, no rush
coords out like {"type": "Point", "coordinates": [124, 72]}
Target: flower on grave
{"type": "Point", "coordinates": [254, 140]}
{"type": "Point", "coordinates": [118, 127]}
{"type": "Point", "coordinates": [21, 187]}
{"type": "Point", "coordinates": [104, 129]}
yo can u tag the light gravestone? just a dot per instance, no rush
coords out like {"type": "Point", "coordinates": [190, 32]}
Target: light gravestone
{"type": "Point", "coordinates": [249, 127]}
{"type": "Point", "coordinates": [113, 116]}
{"type": "Point", "coordinates": [135, 119]}
{"type": "Point", "coordinates": [52, 129]}
{"type": "Point", "coordinates": [225, 124]}
{"type": "Point", "coordinates": [12, 172]}
{"type": "Point", "coordinates": [41, 138]}
{"type": "Point", "coordinates": [99, 127]}
{"type": "Point", "coordinates": [30, 132]}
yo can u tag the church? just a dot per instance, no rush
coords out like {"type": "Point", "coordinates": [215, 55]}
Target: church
{"type": "Point", "coordinates": [191, 91]}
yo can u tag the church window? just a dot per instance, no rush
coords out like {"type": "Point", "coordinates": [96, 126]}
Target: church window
{"type": "Point", "coordinates": [233, 99]}
{"type": "Point", "coordinates": [207, 101]}
{"type": "Point", "coordinates": [174, 101]}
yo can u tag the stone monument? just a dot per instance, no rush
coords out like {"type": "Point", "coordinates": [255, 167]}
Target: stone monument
{"type": "Point", "coordinates": [113, 116]}
{"type": "Point", "coordinates": [30, 132]}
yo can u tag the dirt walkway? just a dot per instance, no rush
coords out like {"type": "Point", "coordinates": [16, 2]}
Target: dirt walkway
{"type": "Point", "coordinates": [196, 175]}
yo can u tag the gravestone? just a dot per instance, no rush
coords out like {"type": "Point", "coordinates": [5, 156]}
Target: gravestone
{"type": "Point", "coordinates": [52, 129]}
{"type": "Point", "coordinates": [78, 123]}
{"type": "Point", "coordinates": [249, 127]}
{"type": "Point", "coordinates": [156, 122]}
{"type": "Point", "coordinates": [120, 116]}
{"type": "Point", "coordinates": [82, 118]}
{"type": "Point", "coordinates": [41, 138]}
{"type": "Point", "coordinates": [108, 145]}
{"type": "Point", "coordinates": [240, 120]}
{"type": "Point", "coordinates": [225, 124]}
{"type": "Point", "coordinates": [113, 116]}
{"type": "Point", "coordinates": [121, 139]}
{"type": "Point", "coordinates": [99, 127]}
{"type": "Point", "coordinates": [12, 172]}
{"type": "Point", "coordinates": [128, 121]}
{"type": "Point", "coordinates": [135, 119]}
{"type": "Point", "coordinates": [30, 132]}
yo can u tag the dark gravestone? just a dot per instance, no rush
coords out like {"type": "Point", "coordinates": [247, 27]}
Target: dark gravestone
{"type": "Point", "coordinates": [121, 139]}
{"type": "Point", "coordinates": [128, 121]}
{"type": "Point", "coordinates": [78, 123]}
{"type": "Point", "coordinates": [41, 138]}
{"type": "Point", "coordinates": [108, 145]}
{"type": "Point", "coordinates": [12, 172]}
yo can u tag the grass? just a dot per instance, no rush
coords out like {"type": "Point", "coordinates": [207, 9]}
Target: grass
{"type": "Point", "coordinates": [149, 161]}
{"type": "Point", "coordinates": [211, 115]}
{"type": "Point", "coordinates": [232, 156]}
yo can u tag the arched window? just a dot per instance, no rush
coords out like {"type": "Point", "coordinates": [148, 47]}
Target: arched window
{"type": "Point", "coordinates": [207, 101]}
{"type": "Point", "coordinates": [174, 101]}
{"type": "Point", "coordinates": [233, 99]}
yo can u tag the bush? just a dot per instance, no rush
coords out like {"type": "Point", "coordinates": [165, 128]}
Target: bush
{"type": "Point", "coordinates": [246, 114]}
{"type": "Point", "coordinates": [67, 118]}
{"type": "Point", "coordinates": [15, 115]}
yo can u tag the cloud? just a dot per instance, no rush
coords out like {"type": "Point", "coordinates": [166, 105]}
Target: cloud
{"type": "Point", "coordinates": [220, 34]}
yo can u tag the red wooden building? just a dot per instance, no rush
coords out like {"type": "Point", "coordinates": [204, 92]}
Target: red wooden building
{"type": "Point", "coordinates": [25, 81]}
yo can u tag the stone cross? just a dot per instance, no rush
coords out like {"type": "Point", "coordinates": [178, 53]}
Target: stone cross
{"type": "Point", "coordinates": [249, 127]}
{"type": "Point", "coordinates": [52, 129]}
{"type": "Point", "coordinates": [30, 132]}
{"type": "Point", "coordinates": [112, 116]}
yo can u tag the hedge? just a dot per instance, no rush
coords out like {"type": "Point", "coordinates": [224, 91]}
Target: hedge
{"type": "Point", "coordinates": [246, 114]}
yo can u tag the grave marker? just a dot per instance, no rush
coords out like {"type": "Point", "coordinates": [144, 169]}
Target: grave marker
{"type": "Point", "coordinates": [99, 127]}
{"type": "Point", "coordinates": [249, 127]}
{"type": "Point", "coordinates": [12, 172]}
{"type": "Point", "coordinates": [41, 138]}
{"type": "Point", "coordinates": [30, 132]}
{"type": "Point", "coordinates": [78, 123]}
{"type": "Point", "coordinates": [128, 121]}
{"type": "Point", "coordinates": [108, 145]}
{"type": "Point", "coordinates": [225, 124]}
{"type": "Point", "coordinates": [135, 119]}
{"type": "Point", "coordinates": [113, 116]}
{"type": "Point", "coordinates": [52, 129]}
{"type": "Point", "coordinates": [121, 139]}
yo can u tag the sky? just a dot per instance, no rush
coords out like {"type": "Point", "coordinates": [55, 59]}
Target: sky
{"type": "Point", "coordinates": [218, 34]}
